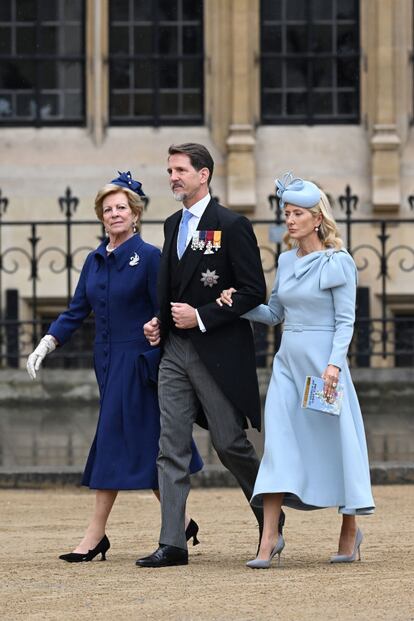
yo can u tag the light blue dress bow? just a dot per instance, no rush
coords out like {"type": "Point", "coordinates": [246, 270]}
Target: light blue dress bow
{"type": "Point", "coordinates": [332, 272]}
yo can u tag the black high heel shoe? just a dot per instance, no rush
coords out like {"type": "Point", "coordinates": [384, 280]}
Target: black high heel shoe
{"type": "Point", "coordinates": [191, 531]}
{"type": "Point", "coordinates": [101, 548]}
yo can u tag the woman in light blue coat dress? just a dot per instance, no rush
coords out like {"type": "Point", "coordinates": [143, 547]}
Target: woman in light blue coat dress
{"type": "Point", "coordinates": [311, 459]}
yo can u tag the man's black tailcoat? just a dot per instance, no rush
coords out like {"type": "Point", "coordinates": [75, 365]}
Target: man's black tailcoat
{"type": "Point", "coordinates": [227, 347]}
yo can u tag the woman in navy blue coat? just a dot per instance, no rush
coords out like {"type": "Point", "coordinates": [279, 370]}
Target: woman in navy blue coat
{"type": "Point", "coordinates": [118, 283]}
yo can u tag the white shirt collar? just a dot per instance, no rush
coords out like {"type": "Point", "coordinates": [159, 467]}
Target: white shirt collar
{"type": "Point", "coordinates": [198, 208]}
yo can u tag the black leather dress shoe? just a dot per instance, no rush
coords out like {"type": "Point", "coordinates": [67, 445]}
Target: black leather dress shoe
{"type": "Point", "coordinates": [165, 556]}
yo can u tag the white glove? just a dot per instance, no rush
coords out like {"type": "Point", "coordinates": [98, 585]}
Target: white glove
{"type": "Point", "coordinates": [46, 346]}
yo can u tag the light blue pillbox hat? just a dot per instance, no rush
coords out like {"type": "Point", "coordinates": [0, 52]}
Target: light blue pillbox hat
{"type": "Point", "coordinates": [297, 192]}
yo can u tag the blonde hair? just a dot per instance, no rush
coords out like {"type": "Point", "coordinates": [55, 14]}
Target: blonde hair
{"type": "Point", "coordinates": [328, 231]}
{"type": "Point", "coordinates": [134, 202]}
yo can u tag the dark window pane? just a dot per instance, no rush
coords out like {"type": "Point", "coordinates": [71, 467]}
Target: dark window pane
{"type": "Point", "coordinates": [191, 104]}
{"type": "Point", "coordinates": [120, 105]}
{"type": "Point", "coordinates": [120, 74]}
{"type": "Point", "coordinates": [271, 73]}
{"type": "Point", "coordinates": [322, 38]}
{"type": "Point", "coordinates": [272, 104]}
{"type": "Point", "coordinates": [167, 10]}
{"type": "Point", "coordinates": [5, 41]}
{"type": "Point", "coordinates": [71, 73]}
{"type": "Point", "coordinates": [191, 73]}
{"type": "Point", "coordinates": [119, 40]}
{"type": "Point", "coordinates": [72, 106]}
{"type": "Point", "coordinates": [48, 11]}
{"type": "Point", "coordinates": [192, 10]}
{"type": "Point", "coordinates": [48, 75]}
{"type": "Point", "coordinates": [272, 39]}
{"type": "Point", "coordinates": [25, 40]}
{"type": "Point", "coordinates": [296, 103]}
{"type": "Point", "coordinates": [72, 10]}
{"type": "Point", "coordinates": [347, 39]}
{"type": "Point", "coordinates": [296, 39]}
{"type": "Point", "coordinates": [168, 104]}
{"type": "Point", "coordinates": [271, 9]}
{"type": "Point", "coordinates": [43, 31]}
{"type": "Point", "coordinates": [322, 9]}
{"type": "Point", "coordinates": [162, 31]}
{"type": "Point", "coordinates": [167, 41]}
{"type": "Point", "coordinates": [191, 40]}
{"type": "Point", "coordinates": [322, 73]}
{"type": "Point", "coordinates": [26, 106]}
{"type": "Point", "coordinates": [26, 10]}
{"type": "Point", "coordinates": [142, 10]}
{"type": "Point", "coordinates": [5, 106]}
{"type": "Point", "coordinates": [48, 41]}
{"type": "Point", "coordinates": [296, 73]}
{"type": "Point", "coordinates": [49, 106]}
{"type": "Point", "coordinates": [296, 9]}
{"type": "Point", "coordinates": [143, 105]}
{"type": "Point", "coordinates": [316, 55]}
{"type": "Point", "coordinates": [143, 39]}
{"type": "Point", "coordinates": [346, 9]}
{"type": "Point", "coordinates": [322, 104]}
{"type": "Point", "coordinates": [347, 103]}
{"type": "Point", "coordinates": [120, 10]}
{"type": "Point", "coordinates": [143, 74]}
{"type": "Point", "coordinates": [168, 74]}
{"type": "Point", "coordinates": [5, 10]}
{"type": "Point", "coordinates": [347, 71]}
{"type": "Point", "coordinates": [17, 75]}
{"type": "Point", "coordinates": [72, 40]}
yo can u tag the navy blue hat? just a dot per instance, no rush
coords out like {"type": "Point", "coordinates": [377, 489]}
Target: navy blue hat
{"type": "Point", "coordinates": [125, 180]}
{"type": "Point", "coordinates": [297, 192]}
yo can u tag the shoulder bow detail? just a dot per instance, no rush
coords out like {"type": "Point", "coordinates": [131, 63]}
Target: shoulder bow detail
{"type": "Point", "coordinates": [331, 263]}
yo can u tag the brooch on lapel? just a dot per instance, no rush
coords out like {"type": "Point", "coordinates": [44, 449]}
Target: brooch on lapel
{"type": "Point", "coordinates": [134, 260]}
{"type": "Point", "coordinates": [209, 278]}
{"type": "Point", "coordinates": [209, 241]}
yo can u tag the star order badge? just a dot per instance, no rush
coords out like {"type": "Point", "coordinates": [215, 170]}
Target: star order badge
{"type": "Point", "coordinates": [209, 278]}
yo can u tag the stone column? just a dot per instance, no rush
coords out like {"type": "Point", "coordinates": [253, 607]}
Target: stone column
{"type": "Point", "coordinates": [385, 140]}
{"type": "Point", "coordinates": [241, 167]}
{"type": "Point", "coordinates": [97, 68]}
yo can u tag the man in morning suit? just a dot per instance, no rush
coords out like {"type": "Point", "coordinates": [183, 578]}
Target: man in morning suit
{"type": "Point", "coordinates": [207, 372]}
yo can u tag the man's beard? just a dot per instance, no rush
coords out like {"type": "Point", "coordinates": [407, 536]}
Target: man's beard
{"type": "Point", "coordinates": [179, 196]}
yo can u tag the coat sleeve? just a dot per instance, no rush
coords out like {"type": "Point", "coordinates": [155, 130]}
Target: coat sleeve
{"type": "Point", "coordinates": [271, 313]}
{"type": "Point", "coordinates": [247, 277]}
{"type": "Point", "coordinates": [344, 297]}
{"type": "Point", "coordinates": [79, 308]}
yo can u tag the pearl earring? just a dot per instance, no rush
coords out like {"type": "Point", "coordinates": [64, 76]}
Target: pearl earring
{"type": "Point", "coordinates": [316, 228]}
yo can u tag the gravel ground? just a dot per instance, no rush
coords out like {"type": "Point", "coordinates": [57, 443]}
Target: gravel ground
{"type": "Point", "coordinates": [37, 526]}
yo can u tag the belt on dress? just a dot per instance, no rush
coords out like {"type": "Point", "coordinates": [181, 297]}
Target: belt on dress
{"type": "Point", "coordinates": [300, 327]}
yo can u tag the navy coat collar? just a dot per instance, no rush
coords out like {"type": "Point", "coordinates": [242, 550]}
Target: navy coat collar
{"type": "Point", "coordinates": [123, 254]}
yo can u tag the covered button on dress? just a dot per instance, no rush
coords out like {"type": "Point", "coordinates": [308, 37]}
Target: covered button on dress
{"type": "Point", "coordinates": [120, 288]}
{"type": "Point", "coordinates": [316, 459]}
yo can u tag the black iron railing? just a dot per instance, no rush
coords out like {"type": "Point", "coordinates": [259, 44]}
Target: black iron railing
{"type": "Point", "coordinates": [383, 249]}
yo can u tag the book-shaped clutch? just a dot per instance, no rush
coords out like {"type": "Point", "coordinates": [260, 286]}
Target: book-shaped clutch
{"type": "Point", "coordinates": [313, 396]}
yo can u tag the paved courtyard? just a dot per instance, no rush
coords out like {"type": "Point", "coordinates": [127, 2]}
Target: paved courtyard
{"type": "Point", "coordinates": [36, 526]}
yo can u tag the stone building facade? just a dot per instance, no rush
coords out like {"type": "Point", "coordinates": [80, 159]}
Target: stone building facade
{"type": "Point", "coordinates": [320, 87]}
